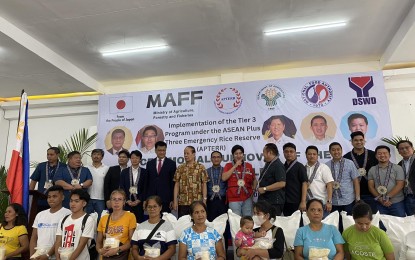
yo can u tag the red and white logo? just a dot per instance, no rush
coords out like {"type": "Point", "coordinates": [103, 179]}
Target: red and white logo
{"type": "Point", "coordinates": [228, 100]}
{"type": "Point", "coordinates": [121, 105]}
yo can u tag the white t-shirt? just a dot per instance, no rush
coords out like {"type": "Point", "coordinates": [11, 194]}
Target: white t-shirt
{"type": "Point", "coordinates": [72, 233]}
{"type": "Point", "coordinates": [46, 224]}
{"type": "Point", "coordinates": [96, 191]}
{"type": "Point", "coordinates": [318, 186]}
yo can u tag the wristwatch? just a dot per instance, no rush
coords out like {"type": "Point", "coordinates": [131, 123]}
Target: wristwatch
{"type": "Point", "coordinates": [265, 188]}
{"type": "Point", "coordinates": [329, 201]}
{"type": "Point", "coordinates": [82, 185]}
{"type": "Point", "coordinates": [119, 251]}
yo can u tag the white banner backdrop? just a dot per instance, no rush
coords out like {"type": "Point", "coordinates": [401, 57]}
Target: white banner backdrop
{"type": "Point", "coordinates": [305, 111]}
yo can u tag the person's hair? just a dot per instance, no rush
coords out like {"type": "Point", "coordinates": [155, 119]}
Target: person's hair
{"type": "Point", "coordinates": [311, 147]}
{"type": "Point", "coordinates": [382, 147]}
{"type": "Point", "coordinates": [266, 208]}
{"type": "Point", "coordinates": [160, 143]}
{"type": "Point", "coordinates": [307, 205]}
{"type": "Point", "coordinates": [357, 133]}
{"type": "Point", "coordinates": [289, 145]}
{"type": "Point", "coordinates": [211, 154]}
{"type": "Point", "coordinates": [156, 198]}
{"type": "Point", "coordinates": [402, 142]}
{"type": "Point", "coordinates": [333, 144]}
{"type": "Point", "coordinates": [136, 153]}
{"type": "Point", "coordinates": [55, 188]}
{"type": "Point", "coordinates": [192, 148]}
{"type": "Point", "coordinates": [72, 154]}
{"type": "Point", "coordinates": [270, 147]}
{"type": "Point", "coordinates": [100, 151]}
{"type": "Point", "coordinates": [193, 206]}
{"type": "Point", "coordinates": [362, 210]}
{"type": "Point", "coordinates": [83, 195]}
{"type": "Point", "coordinates": [244, 220]}
{"type": "Point", "coordinates": [318, 117]}
{"type": "Point", "coordinates": [117, 131]}
{"type": "Point", "coordinates": [356, 116]}
{"type": "Point", "coordinates": [127, 153]}
{"type": "Point", "coordinates": [148, 128]}
{"type": "Point", "coordinates": [119, 191]}
{"type": "Point", "coordinates": [236, 148]}
{"type": "Point", "coordinates": [272, 118]}
{"type": "Point", "coordinates": [21, 218]}
{"type": "Point", "coordinates": [55, 149]}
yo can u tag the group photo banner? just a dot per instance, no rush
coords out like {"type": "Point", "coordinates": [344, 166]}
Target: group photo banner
{"type": "Point", "coordinates": [304, 111]}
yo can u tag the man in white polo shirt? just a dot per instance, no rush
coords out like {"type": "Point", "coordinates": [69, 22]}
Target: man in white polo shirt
{"type": "Point", "coordinates": [46, 223]}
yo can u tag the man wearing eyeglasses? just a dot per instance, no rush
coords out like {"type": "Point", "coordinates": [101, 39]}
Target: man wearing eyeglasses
{"type": "Point", "coordinates": [406, 150]}
{"type": "Point", "coordinates": [149, 140]}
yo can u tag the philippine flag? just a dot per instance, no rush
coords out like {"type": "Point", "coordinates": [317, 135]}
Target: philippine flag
{"type": "Point", "coordinates": [121, 105]}
{"type": "Point", "coordinates": [17, 180]}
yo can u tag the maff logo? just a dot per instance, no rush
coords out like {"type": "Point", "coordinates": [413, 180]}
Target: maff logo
{"type": "Point", "coordinates": [317, 93]}
{"type": "Point", "coordinates": [228, 100]}
{"type": "Point", "coordinates": [362, 85]}
{"type": "Point", "coordinates": [270, 97]}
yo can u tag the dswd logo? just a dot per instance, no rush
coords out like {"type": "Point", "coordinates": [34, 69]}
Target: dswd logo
{"type": "Point", "coordinates": [362, 85]}
{"type": "Point", "coordinates": [317, 93]}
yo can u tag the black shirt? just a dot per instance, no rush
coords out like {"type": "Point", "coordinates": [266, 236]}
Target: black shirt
{"type": "Point", "coordinates": [271, 174]}
{"type": "Point", "coordinates": [295, 178]}
{"type": "Point", "coordinates": [371, 161]}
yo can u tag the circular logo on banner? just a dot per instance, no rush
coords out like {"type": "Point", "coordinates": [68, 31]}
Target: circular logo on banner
{"type": "Point", "coordinates": [317, 93]}
{"type": "Point", "coordinates": [228, 100]}
{"type": "Point", "coordinates": [270, 97]}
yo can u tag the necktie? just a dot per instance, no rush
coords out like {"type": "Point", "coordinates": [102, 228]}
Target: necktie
{"type": "Point", "coordinates": [159, 167]}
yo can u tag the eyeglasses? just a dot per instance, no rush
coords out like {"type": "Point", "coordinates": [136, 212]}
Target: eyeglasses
{"type": "Point", "coordinates": [117, 199]}
{"type": "Point", "coordinates": [152, 207]}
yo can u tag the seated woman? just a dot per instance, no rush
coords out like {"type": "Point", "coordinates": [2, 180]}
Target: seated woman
{"type": "Point", "coordinates": [318, 239]}
{"type": "Point", "coordinates": [154, 230]}
{"type": "Point", "coordinates": [364, 241]}
{"type": "Point", "coordinates": [116, 229]}
{"type": "Point", "coordinates": [200, 241]}
{"type": "Point", "coordinates": [264, 213]}
{"type": "Point", "coordinates": [13, 232]}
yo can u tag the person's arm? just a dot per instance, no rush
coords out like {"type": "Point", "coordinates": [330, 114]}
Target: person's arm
{"type": "Point", "coordinates": [204, 191]}
{"type": "Point", "coordinates": [64, 184]}
{"type": "Point", "coordinates": [220, 251]}
{"type": "Point", "coordinates": [100, 242]}
{"type": "Point", "coordinates": [329, 187]}
{"type": "Point", "coordinates": [33, 241]}
{"type": "Point", "coordinates": [32, 185]}
{"type": "Point", "coordinates": [175, 195]}
{"type": "Point", "coordinates": [371, 186]}
{"type": "Point", "coordinates": [87, 184]}
{"type": "Point", "coordinates": [227, 174]}
{"type": "Point", "coordinates": [398, 188]}
{"type": "Point", "coordinates": [356, 185]}
{"type": "Point", "coordinates": [390, 256]}
{"type": "Point", "coordinates": [298, 253]}
{"type": "Point", "coordinates": [78, 250]}
{"type": "Point", "coordinates": [347, 255]}
{"type": "Point", "coordinates": [275, 186]}
{"type": "Point", "coordinates": [304, 188]}
{"type": "Point", "coordinates": [135, 253]}
{"type": "Point", "coordinates": [58, 243]}
{"type": "Point", "coordinates": [182, 252]}
{"type": "Point", "coordinates": [107, 187]}
{"type": "Point", "coordinates": [24, 246]}
{"type": "Point", "coordinates": [339, 252]}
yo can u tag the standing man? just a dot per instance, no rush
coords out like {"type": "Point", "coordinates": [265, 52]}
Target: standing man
{"type": "Point", "coordinates": [73, 176]}
{"type": "Point", "coordinates": [160, 174]}
{"type": "Point", "coordinates": [112, 178]}
{"type": "Point", "coordinates": [319, 128]}
{"type": "Point", "coordinates": [44, 173]}
{"type": "Point", "coordinates": [363, 160]}
{"type": "Point", "coordinates": [406, 150]}
{"type": "Point", "coordinates": [216, 188]}
{"type": "Point", "coordinates": [46, 223]}
{"type": "Point", "coordinates": [346, 187]}
{"type": "Point", "coordinates": [386, 182]}
{"type": "Point", "coordinates": [77, 229]}
{"type": "Point", "coordinates": [272, 178]}
{"type": "Point", "coordinates": [190, 183]}
{"type": "Point", "coordinates": [296, 181]}
{"type": "Point", "coordinates": [117, 141]}
{"type": "Point", "coordinates": [241, 183]}
{"type": "Point", "coordinates": [96, 191]}
{"type": "Point", "coordinates": [320, 180]}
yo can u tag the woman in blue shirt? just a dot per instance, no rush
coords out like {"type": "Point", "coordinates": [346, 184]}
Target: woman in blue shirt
{"type": "Point", "coordinates": [317, 235]}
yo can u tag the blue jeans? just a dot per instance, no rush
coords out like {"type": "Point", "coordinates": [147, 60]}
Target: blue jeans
{"type": "Point", "coordinates": [397, 209]}
{"type": "Point", "coordinates": [242, 208]}
{"type": "Point", "coordinates": [410, 204]}
{"type": "Point", "coordinates": [95, 206]}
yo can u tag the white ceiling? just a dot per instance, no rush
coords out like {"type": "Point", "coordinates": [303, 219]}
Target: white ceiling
{"type": "Point", "coordinates": [52, 46]}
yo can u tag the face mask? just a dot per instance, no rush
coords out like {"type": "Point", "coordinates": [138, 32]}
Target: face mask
{"type": "Point", "coordinates": [258, 220]}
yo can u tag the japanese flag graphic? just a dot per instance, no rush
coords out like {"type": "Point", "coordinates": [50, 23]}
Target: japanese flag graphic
{"type": "Point", "coordinates": [121, 105]}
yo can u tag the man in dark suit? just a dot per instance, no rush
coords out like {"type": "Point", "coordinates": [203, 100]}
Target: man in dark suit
{"type": "Point", "coordinates": [406, 150]}
{"type": "Point", "coordinates": [160, 173]}
{"type": "Point", "coordinates": [117, 141]}
{"type": "Point", "coordinates": [112, 179]}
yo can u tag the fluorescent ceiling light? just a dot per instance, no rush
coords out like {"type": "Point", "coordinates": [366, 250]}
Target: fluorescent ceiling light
{"type": "Point", "coordinates": [134, 50]}
{"type": "Point", "coordinates": [305, 28]}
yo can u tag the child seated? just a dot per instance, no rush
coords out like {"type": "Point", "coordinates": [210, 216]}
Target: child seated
{"type": "Point", "coordinates": [244, 238]}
